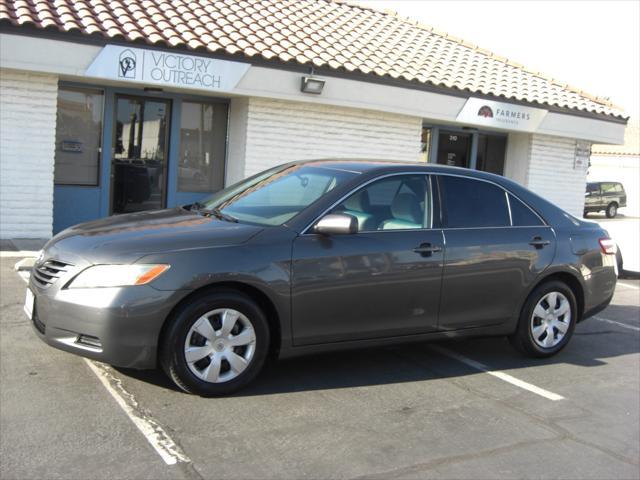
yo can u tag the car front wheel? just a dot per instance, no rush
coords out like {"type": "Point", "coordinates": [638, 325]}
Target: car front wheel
{"type": "Point", "coordinates": [547, 320]}
{"type": "Point", "coordinates": [215, 344]}
{"type": "Point", "coordinates": [612, 210]}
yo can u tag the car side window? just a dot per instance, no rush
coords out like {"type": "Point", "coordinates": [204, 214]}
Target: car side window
{"type": "Point", "coordinates": [399, 202]}
{"type": "Point", "coordinates": [593, 188]}
{"type": "Point", "coordinates": [470, 203]}
{"type": "Point", "coordinates": [607, 188]}
{"type": "Point", "coordinates": [522, 215]}
{"type": "Point", "coordinates": [619, 188]}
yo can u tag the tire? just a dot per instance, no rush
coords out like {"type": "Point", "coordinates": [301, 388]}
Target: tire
{"type": "Point", "coordinates": [612, 210]}
{"type": "Point", "coordinates": [528, 338]}
{"type": "Point", "coordinates": [218, 350]}
{"type": "Point", "coordinates": [584, 214]}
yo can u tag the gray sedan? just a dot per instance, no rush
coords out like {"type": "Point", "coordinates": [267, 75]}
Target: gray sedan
{"type": "Point", "coordinates": [318, 256]}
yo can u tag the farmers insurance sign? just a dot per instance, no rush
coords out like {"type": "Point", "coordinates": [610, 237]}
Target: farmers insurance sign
{"type": "Point", "coordinates": [166, 68]}
{"type": "Point", "coordinates": [487, 113]}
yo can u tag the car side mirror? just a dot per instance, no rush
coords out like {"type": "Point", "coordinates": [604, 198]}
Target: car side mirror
{"type": "Point", "coordinates": [337, 224]}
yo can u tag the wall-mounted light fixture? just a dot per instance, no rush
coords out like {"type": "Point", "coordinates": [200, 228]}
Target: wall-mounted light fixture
{"type": "Point", "coordinates": [311, 85]}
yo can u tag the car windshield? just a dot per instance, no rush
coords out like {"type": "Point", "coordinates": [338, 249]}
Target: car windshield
{"type": "Point", "coordinates": [277, 195]}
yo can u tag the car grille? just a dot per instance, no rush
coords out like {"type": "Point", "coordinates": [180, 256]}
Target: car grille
{"type": "Point", "coordinates": [47, 273]}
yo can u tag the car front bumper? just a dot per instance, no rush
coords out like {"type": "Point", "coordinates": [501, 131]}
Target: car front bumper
{"type": "Point", "coordinates": [119, 326]}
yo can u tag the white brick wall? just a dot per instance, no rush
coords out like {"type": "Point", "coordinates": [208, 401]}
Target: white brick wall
{"type": "Point", "coordinates": [281, 131]}
{"type": "Point", "coordinates": [27, 144]}
{"type": "Point", "coordinates": [551, 174]}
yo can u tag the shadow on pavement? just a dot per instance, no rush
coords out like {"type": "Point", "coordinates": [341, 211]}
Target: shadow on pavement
{"type": "Point", "coordinates": [592, 344]}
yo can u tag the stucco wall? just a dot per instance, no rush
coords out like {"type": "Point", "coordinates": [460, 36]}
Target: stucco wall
{"type": "Point", "coordinates": [27, 145]}
{"type": "Point", "coordinates": [281, 131]}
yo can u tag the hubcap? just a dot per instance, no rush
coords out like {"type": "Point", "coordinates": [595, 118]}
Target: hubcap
{"type": "Point", "coordinates": [220, 345]}
{"type": "Point", "coordinates": [550, 319]}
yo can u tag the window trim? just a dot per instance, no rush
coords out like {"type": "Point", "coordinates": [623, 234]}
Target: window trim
{"type": "Point", "coordinates": [103, 93]}
{"type": "Point", "coordinates": [305, 231]}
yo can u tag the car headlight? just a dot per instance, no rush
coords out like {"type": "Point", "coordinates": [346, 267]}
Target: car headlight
{"type": "Point", "coordinates": [117, 275]}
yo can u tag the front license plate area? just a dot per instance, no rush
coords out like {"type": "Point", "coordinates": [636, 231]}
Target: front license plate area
{"type": "Point", "coordinates": [29, 302]}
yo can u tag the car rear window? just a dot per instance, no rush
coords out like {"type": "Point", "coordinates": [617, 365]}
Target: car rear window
{"type": "Point", "coordinates": [470, 203]}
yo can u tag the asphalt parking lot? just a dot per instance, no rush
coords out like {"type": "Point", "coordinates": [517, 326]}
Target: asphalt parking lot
{"type": "Point", "coordinates": [453, 410]}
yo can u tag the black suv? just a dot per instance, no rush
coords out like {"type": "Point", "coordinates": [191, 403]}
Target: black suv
{"type": "Point", "coordinates": [604, 196]}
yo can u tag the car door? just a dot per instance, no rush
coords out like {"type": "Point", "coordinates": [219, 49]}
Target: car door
{"type": "Point", "coordinates": [607, 194]}
{"type": "Point", "coordinates": [592, 198]}
{"type": "Point", "coordinates": [496, 247]}
{"type": "Point", "coordinates": [383, 280]}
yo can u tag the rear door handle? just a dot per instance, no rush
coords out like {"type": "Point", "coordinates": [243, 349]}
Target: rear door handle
{"type": "Point", "coordinates": [538, 242]}
{"type": "Point", "coordinates": [426, 249]}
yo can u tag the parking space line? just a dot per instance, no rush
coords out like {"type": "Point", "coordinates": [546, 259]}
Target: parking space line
{"type": "Point", "coordinates": [498, 374]}
{"type": "Point", "coordinates": [170, 452]}
{"type": "Point", "coordinates": [626, 285]}
{"type": "Point", "coordinates": [620, 324]}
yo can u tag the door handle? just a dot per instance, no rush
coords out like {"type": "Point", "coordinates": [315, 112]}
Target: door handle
{"type": "Point", "coordinates": [538, 242]}
{"type": "Point", "coordinates": [426, 249]}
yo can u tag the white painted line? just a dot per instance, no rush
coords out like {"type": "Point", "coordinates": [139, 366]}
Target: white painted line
{"type": "Point", "coordinates": [626, 285]}
{"type": "Point", "coordinates": [19, 253]}
{"type": "Point", "coordinates": [620, 324]}
{"type": "Point", "coordinates": [170, 452]}
{"type": "Point", "coordinates": [498, 374]}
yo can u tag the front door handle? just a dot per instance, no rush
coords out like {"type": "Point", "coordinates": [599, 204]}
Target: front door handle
{"type": "Point", "coordinates": [538, 242]}
{"type": "Point", "coordinates": [426, 249]}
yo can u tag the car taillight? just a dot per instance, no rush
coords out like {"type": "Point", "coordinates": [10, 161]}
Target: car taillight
{"type": "Point", "coordinates": [608, 246]}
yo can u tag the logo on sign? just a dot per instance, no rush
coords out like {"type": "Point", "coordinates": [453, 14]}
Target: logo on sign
{"type": "Point", "coordinates": [485, 111]}
{"type": "Point", "coordinates": [127, 64]}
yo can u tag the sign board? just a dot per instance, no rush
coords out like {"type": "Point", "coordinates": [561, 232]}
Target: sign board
{"type": "Point", "coordinates": [583, 155]}
{"type": "Point", "coordinates": [487, 113]}
{"type": "Point", "coordinates": [159, 67]}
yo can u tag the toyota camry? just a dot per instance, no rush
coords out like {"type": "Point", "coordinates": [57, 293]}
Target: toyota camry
{"type": "Point", "coordinates": [318, 256]}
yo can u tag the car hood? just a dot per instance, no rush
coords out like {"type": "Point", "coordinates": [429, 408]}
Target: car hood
{"type": "Point", "coordinates": [126, 238]}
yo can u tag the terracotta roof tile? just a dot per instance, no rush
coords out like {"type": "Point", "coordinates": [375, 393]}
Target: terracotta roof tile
{"type": "Point", "coordinates": [323, 33]}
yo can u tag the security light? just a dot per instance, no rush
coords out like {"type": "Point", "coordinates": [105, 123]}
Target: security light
{"type": "Point", "coordinates": [311, 85]}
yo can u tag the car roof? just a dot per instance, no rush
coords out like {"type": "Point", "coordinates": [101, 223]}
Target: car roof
{"type": "Point", "coordinates": [359, 165]}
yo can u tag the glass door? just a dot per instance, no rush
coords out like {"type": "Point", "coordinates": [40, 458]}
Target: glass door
{"type": "Point", "coordinates": [140, 151]}
{"type": "Point", "coordinates": [454, 149]}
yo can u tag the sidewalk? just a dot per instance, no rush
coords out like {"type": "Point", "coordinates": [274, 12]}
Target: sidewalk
{"type": "Point", "coordinates": [21, 247]}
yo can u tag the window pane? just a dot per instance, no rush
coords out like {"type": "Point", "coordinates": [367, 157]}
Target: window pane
{"type": "Point", "coordinates": [203, 136]}
{"type": "Point", "coordinates": [473, 203]}
{"type": "Point", "coordinates": [454, 149]}
{"type": "Point", "coordinates": [491, 152]}
{"type": "Point", "coordinates": [140, 154]}
{"type": "Point", "coordinates": [522, 215]}
{"type": "Point", "coordinates": [394, 203]}
{"type": "Point", "coordinates": [78, 136]}
{"type": "Point", "coordinates": [425, 145]}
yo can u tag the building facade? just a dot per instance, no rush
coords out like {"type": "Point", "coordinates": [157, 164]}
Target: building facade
{"type": "Point", "coordinates": [104, 112]}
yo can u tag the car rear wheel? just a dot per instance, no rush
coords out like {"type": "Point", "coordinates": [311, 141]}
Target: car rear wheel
{"type": "Point", "coordinates": [215, 344]}
{"type": "Point", "coordinates": [547, 320]}
{"type": "Point", "coordinates": [612, 210]}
